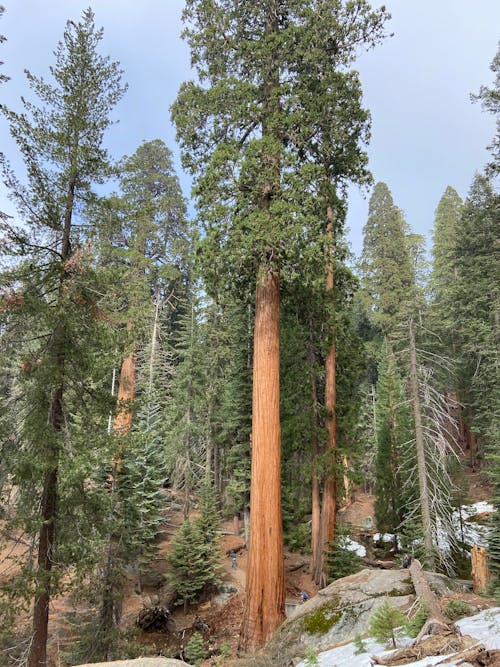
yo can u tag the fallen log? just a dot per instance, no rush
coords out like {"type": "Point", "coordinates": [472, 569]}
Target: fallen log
{"type": "Point", "coordinates": [447, 644]}
{"type": "Point", "coordinates": [297, 566]}
{"type": "Point", "coordinates": [436, 622]}
{"type": "Point", "coordinates": [380, 564]}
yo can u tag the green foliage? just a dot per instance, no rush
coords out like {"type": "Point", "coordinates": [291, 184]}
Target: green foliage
{"type": "Point", "coordinates": [195, 651]}
{"type": "Point", "coordinates": [193, 563]}
{"type": "Point", "coordinates": [455, 609]}
{"type": "Point", "coordinates": [341, 561]}
{"type": "Point", "coordinates": [55, 440]}
{"type": "Point", "coordinates": [359, 644]}
{"type": "Point", "coordinates": [311, 658]}
{"type": "Point", "coordinates": [388, 276]}
{"type": "Point", "coordinates": [384, 621]}
{"type": "Point", "coordinates": [415, 624]}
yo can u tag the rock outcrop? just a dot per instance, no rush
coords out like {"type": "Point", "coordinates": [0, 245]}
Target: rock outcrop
{"type": "Point", "coordinates": [341, 611]}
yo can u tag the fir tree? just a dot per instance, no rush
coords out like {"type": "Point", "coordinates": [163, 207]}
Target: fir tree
{"type": "Point", "coordinates": [192, 563]}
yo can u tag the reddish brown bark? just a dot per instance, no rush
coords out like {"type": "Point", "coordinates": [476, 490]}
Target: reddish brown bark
{"type": "Point", "coordinates": [329, 500]}
{"type": "Point", "coordinates": [265, 603]}
{"type": "Point", "coordinates": [316, 546]}
{"type": "Point", "coordinates": [126, 393]}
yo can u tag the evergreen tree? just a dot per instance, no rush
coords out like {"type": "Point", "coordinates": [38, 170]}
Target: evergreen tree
{"type": "Point", "coordinates": [192, 563]}
{"type": "Point", "coordinates": [387, 271]}
{"type": "Point", "coordinates": [61, 142]}
{"type": "Point", "coordinates": [490, 100]}
{"type": "Point", "coordinates": [236, 131]}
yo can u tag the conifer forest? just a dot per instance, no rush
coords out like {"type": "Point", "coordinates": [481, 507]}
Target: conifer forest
{"type": "Point", "coordinates": [197, 390]}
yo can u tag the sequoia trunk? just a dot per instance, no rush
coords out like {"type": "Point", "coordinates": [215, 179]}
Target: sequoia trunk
{"type": "Point", "coordinates": [329, 500]}
{"type": "Point", "coordinates": [265, 605]}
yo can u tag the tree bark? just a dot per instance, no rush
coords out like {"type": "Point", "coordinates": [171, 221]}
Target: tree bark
{"type": "Point", "coordinates": [126, 393]}
{"type": "Point", "coordinates": [329, 500]}
{"type": "Point", "coordinates": [421, 461]}
{"type": "Point", "coordinates": [265, 603]}
{"type": "Point", "coordinates": [316, 544]}
{"type": "Point", "coordinates": [436, 622]}
{"type": "Point", "coordinates": [480, 572]}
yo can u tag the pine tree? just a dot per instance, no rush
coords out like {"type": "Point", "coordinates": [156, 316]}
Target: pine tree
{"type": "Point", "coordinates": [61, 142]}
{"type": "Point", "coordinates": [384, 622]}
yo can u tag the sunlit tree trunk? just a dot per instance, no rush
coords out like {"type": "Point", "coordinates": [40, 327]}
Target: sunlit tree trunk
{"type": "Point", "coordinates": [329, 500]}
{"type": "Point", "coordinates": [265, 602]}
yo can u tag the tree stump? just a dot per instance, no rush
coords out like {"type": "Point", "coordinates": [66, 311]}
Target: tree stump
{"type": "Point", "coordinates": [480, 572]}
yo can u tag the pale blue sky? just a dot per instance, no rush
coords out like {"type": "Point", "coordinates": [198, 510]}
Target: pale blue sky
{"type": "Point", "coordinates": [426, 133]}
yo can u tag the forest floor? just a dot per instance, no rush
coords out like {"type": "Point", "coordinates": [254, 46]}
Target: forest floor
{"type": "Point", "coordinates": [221, 615]}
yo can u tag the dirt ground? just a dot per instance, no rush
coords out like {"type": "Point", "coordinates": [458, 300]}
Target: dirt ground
{"type": "Point", "coordinates": [221, 615]}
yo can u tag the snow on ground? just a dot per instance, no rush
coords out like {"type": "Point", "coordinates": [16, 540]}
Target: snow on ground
{"type": "Point", "coordinates": [351, 545]}
{"type": "Point", "coordinates": [474, 533]}
{"type": "Point", "coordinates": [485, 627]}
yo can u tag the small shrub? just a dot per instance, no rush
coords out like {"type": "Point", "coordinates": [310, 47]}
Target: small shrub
{"type": "Point", "coordinates": [456, 609]}
{"type": "Point", "coordinates": [311, 659]}
{"type": "Point", "coordinates": [384, 622]}
{"type": "Point", "coordinates": [195, 651]}
{"type": "Point", "coordinates": [359, 644]}
{"type": "Point", "coordinates": [415, 624]}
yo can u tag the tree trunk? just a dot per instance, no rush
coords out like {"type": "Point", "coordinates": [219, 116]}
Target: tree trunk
{"type": "Point", "coordinates": [329, 500]}
{"type": "Point", "coordinates": [316, 544]}
{"type": "Point", "coordinates": [436, 622]}
{"type": "Point", "coordinates": [480, 573]}
{"type": "Point", "coordinates": [265, 602]}
{"type": "Point", "coordinates": [38, 651]}
{"type": "Point", "coordinates": [421, 460]}
{"type": "Point", "coordinates": [37, 656]}
{"type": "Point", "coordinates": [126, 393]}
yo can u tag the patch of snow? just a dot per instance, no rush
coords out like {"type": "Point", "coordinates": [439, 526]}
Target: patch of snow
{"type": "Point", "coordinates": [485, 627]}
{"type": "Point", "coordinates": [351, 545]}
{"type": "Point", "coordinates": [383, 537]}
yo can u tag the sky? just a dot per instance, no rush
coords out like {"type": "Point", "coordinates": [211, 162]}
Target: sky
{"type": "Point", "coordinates": [426, 132]}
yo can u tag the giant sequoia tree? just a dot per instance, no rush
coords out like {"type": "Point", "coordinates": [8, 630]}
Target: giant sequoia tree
{"type": "Point", "coordinates": [237, 128]}
{"type": "Point", "coordinates": [53, 283]}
